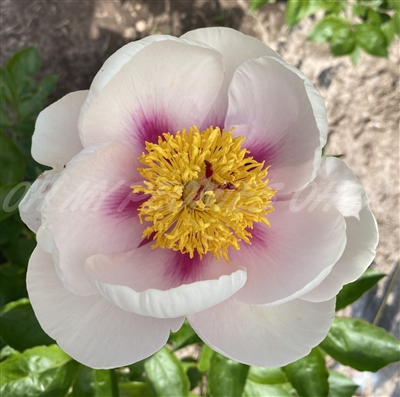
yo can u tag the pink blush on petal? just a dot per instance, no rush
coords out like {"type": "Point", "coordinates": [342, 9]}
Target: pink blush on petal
{"type": "Point", "coordinates": [185, 270]}
{"type": "Point", "coordinates": [147, 126]}
{"type": "Point", "coordinates": [123, 203]}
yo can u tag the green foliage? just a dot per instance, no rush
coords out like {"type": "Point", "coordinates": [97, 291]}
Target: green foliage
{"type": "Point", "coordinates": [361, 345]}
{"type": "Point", "coordinates": [371, 27]}
{"type": "Point", "coordinates": [351, 292]}
{"type": "Point", "coordinates": [226, 377]}
{"type": "Point", "coordinates": [19, 327]}
{"type": "Point", "coordinates": [309, 375]}
{"type": "Point", "coordinates": [340, 385]}
{"type": "Point", "coordinates": [42, 371]}
{"type": "Point", "coordinates": [165, 374]}
{"type": "Point", "coordinates": [186, 336]}
{"type": "Point", "coordinates": [22, 97]}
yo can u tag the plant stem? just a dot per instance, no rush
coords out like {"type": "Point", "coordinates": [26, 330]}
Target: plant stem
{"type": "Point", "coordinates": [114, 383]}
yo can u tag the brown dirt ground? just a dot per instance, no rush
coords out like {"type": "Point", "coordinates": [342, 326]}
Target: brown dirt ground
{"type": "Point", "coordinates": [75, 37]}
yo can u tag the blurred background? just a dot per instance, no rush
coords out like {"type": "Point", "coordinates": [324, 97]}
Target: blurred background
{"type": "Point", "coordinates": [75, 37]}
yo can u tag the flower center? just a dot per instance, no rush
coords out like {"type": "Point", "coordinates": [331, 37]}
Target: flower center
{"type": "Point", "coordinates": [205, 193]}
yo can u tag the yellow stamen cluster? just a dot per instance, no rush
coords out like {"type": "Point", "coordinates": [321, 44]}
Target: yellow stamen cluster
{"type": "Point", "coordinates": [204, 192]}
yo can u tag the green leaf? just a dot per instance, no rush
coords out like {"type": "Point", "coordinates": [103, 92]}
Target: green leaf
{"type": "Point", "coordinates": [296, 10]}
{"type": "Point", "coordinates": [6, 86]}
{"type": "Point", "coordinates": [388, 30]}
{"type": "Point", "coordinates": [136, 371]}
{"type": "Point", "coordinates": [166, 375]}
{"type": "Point", "coordinates": [396, 22]}
{"type": "Point", "coordinates": [92, 383]}
{"type": "Point", "coordinates": [29, 108]}
{"type": "Point", "coordinates": [327, 27]}
{"type": "Point", "coordinates": [12, 163]}
{"type": "Point", "coordinates": [309, 375]}
{"type": "Point", "coordinates": [42, 371]}
{"type": "Point", "coordinates": [47, 86]}
{"type": "Point", "coordinates": [342, 42]}
{"type": "Point", "coordinates": [184, 337]}
{"type": "Point", "coordinates": [205, 358]}
{"type": "Point", "coordinates": [377, 18]}
{"type": "Point", "coordinates": [5, 352]}
{"type": "Point", "coordinates": [18, 251]}
{"type": "Point", "coordinates": [10, 197]}
{"type": "Point", "coordinates": [255, 4]}
{"type": "Point", "coordinates": [340, 385]}
{"type": "Point", "coordinates": [10, 228]}
{"type": "Point", "coordinates": [253, 389]}
{"type": "Point", "coordinates": [393, 4]}
{"type": "Point", "coordinates": [12, 283]}
{"type": "Point", "coordinates": [25, 62]}
{"type": "Point", "coordinates": [360, 11]}
{"type": "Point", "coordinates": [195, 377]}
{"type": "Point", "coordinates": [355, 55]}
{"type": "Point", "coordinates": [20, 328]}
{"type": "Point", "coordinates": [226, 377]}
{"type": "Point", "coordinates": [371, 39]}
{"type": "Point", "coordinates": [268, 376]}
{"type": "Point", "coordinates": [134, 389]}
{"type": "Point", "coordinates": [360, 345]}
{"type": "Point", "coordinates": [351, 292]}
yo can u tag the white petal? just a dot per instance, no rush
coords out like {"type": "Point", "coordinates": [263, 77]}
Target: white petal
{"type": "Point", "coordinates": [166, 87]}
{"type": "Point", "coordinates": [145, 281]}
{"type": "Point", "coordinates": [282, 117]}
{"type": "Point", "coordinates": [31, 205]}
{"type": "Point", "coordinates": [56, 137]}
{"type": "Point", "coordinates": [115, 63]}
{"type": "Point", "coordinates": [292, 256]}
{"type": "Point", "coordinates": [90, 329]}
{"type": "Point", "coordinates": [93, 210]}
{"type": "Point", "coordinates": [264, 336]}
{"type": "Point", "coordinates": [341, 189]}
{"type": "Point", "coordinates": [236, 48]}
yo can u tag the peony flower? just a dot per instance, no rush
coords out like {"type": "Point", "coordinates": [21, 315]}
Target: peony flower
{"type": "Point", "coordinates": [189, 182]}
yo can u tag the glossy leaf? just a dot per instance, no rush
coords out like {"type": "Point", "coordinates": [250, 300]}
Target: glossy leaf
{"type": "Point", "coordinates": [134, 389]}
{"type": "Point", "coordinates": [42, 371]}
{"type": "Point", "coordinates": [371, 39]}
{"type": "Point", "coordinates": [29, 108]}
{"type": "Point", "coordinates": [351, 292]}
{"type": "Point", "coordinates": [268, 376]}
{"type": "Point", "coordinates": [253, 389]}
{"type": "Point", "coordinates": [165, 374]}
{"type": "Point", "coordinates": [205, 358]}
{"type": "Point", "coordinates": [226, 378]}
{"type": "Point", "coordinates": [6, 86]}
{"type": "Point", "coordinates": [92, 383]}
{"type": "Point", "coordinates": [327, 27]}
{"type": "Point", "coordinates": [342, 42]}
{"type": "Point", "coordinates": [309, 375]}
{"type": "Point", "coordinates": [340, 385]}
{"type": "Point", "coordinates": [12, 164]}
{"type": "Point", "coordinates": [19, 327]}
{"type": "Point", "coordinates": [360, 345]}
